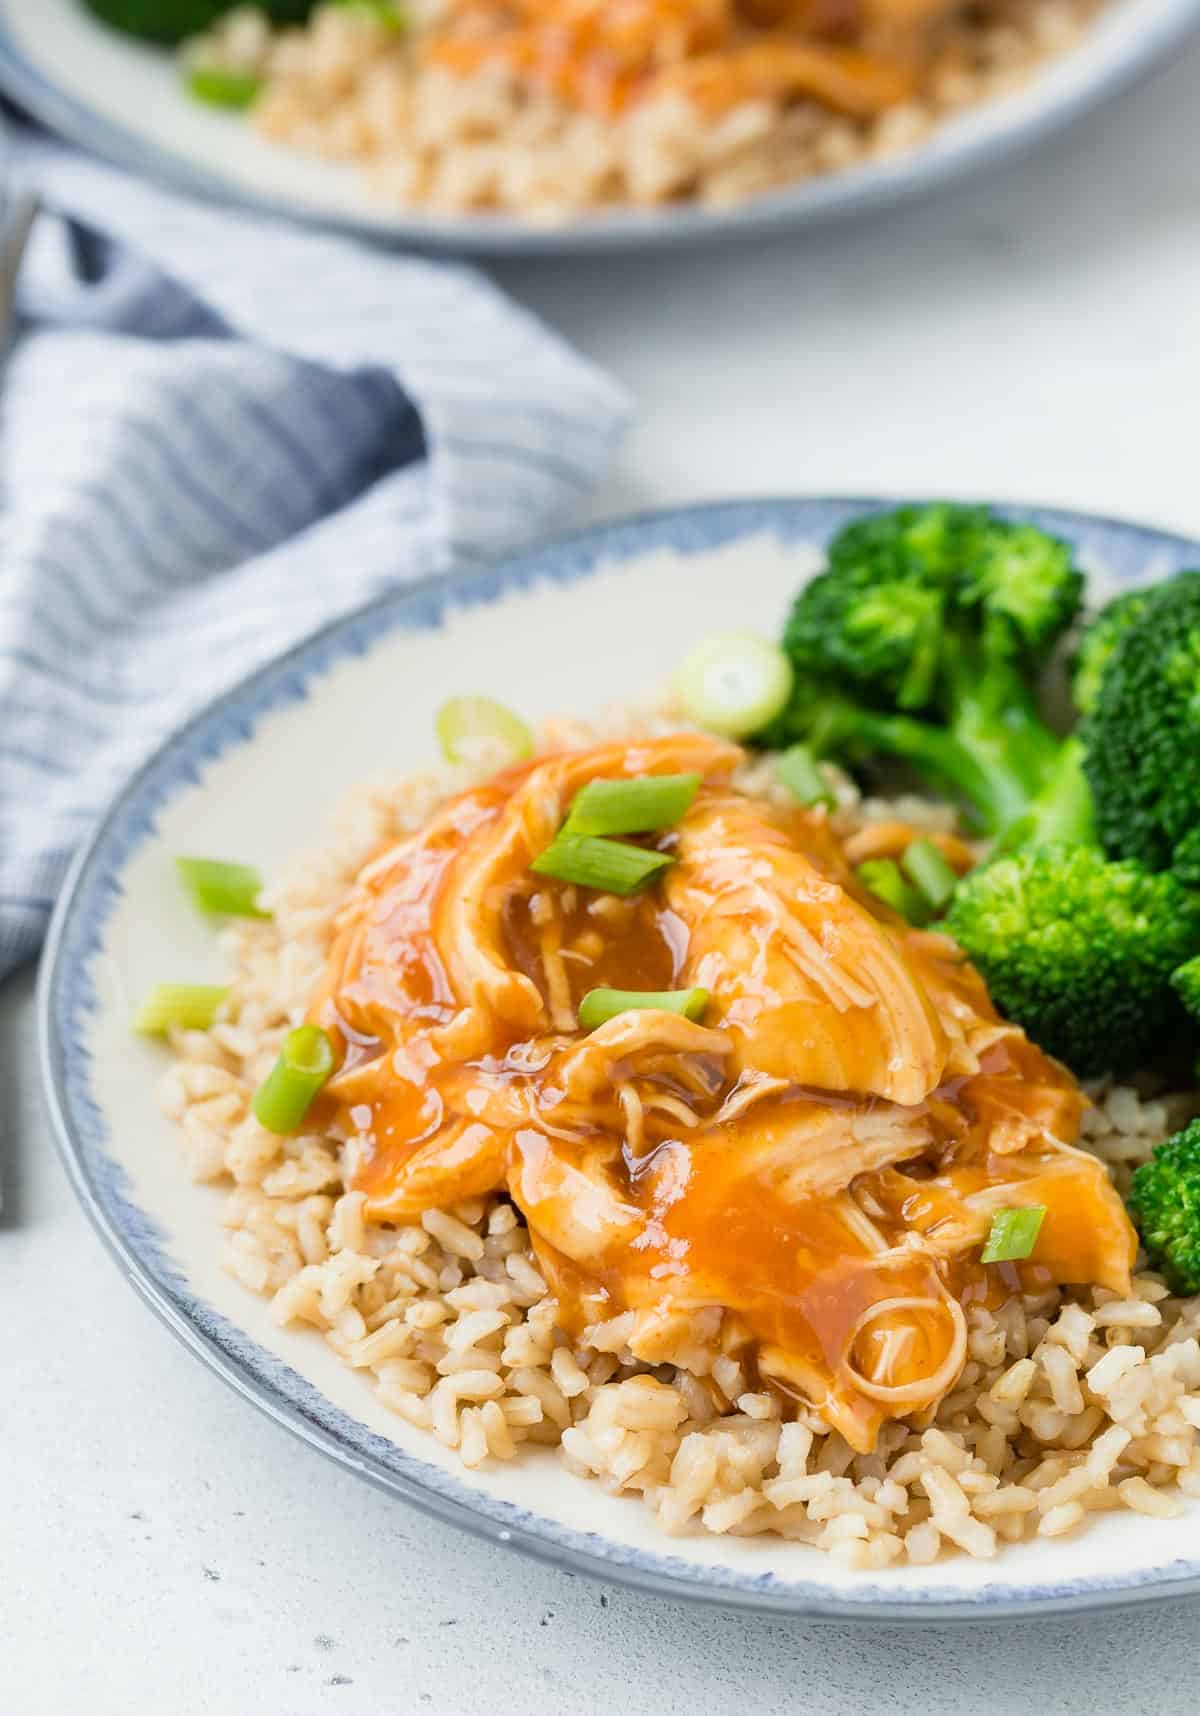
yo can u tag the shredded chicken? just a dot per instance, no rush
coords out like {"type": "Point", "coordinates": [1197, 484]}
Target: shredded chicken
{"type": "Point", "coordinates": [815, 989]}
{"type": "Point", "coordinates": [819, 1159]}
{"type": "Point", "coordinates": [855, 56]}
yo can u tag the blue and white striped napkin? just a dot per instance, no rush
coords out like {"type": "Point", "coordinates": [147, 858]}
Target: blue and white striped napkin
{"type": "Point", "coordinates": [218, 433]}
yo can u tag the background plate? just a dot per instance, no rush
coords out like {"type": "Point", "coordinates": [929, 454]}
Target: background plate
{"type": "Point", "coordinates": [125, 102]}
{"type": "Point", "coordinates": [570, 627]}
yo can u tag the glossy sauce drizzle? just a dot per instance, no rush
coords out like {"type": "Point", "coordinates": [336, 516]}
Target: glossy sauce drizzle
{"type": "Point", "coordinates": [678, 1171]}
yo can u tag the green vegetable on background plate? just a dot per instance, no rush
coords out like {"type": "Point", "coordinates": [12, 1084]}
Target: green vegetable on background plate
{"type": "Point", "coordinates": [384, 12]}
{"type": "Point", "coordinates": [216, 86]}
{"type": "Point", "coordinates": [172, 21]}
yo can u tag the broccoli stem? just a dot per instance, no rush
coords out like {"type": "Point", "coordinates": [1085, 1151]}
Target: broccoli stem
{"type": "Point", "coordinates": [987, 785]}
{"type": "Point", "coordinates": [992, 715]}
{"type": "Point", "coordinates": [1061, 812]}
{"type": "Point", "coordinates": [994, 753]}
{"type": "Point", "coordinates": [1005, 787]}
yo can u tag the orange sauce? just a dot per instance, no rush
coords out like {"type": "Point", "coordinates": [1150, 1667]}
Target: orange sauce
{"type": "Point", "coordinates": [667, 1168]}
{"type": "Point", "coordinates": [605, 56]}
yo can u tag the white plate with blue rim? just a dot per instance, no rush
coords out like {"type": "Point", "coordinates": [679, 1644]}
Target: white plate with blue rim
{"type": "Point", "coordinates": [124, 101]}
{"type": "Point", "coordinates": [570, 627]}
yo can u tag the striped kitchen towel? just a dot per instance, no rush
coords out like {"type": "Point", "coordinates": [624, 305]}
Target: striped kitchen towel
{"type": "Point", "coordinates": [218, 433]}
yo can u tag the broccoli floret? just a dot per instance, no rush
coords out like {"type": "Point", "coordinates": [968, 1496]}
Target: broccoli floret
{"type": "Point", "coordinates": [1186, 858]}
{"type": "Point", "coordinates": [1186, 984]}
{"type": "Point", "coordinates": [900, 585]}
{"type": "Point", "coordinates": [882, 635]}
{"type": "Point", "coordinates": [1079, 950]}
{"type": "Point", "coordinates": [1164, 1201]}
{"type": "Point", "coordinates": [173, 21]}
{"type": "Point", "coordinates": [876, 617]}
{"type": "Point", "coordinates": [1100, 638]}
{"type": "Point", "coordinates": [1142, 735]}
{"type": "Point", "coordinates": [1026, 585]}
{"type": "Point", "coordinates": [947, 613]}
{"type": "Point", "coordinates": [930, 542]}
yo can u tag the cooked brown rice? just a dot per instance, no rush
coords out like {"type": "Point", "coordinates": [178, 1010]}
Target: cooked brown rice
{"type": "Point", "coordinates": [1069, 1404]}
{"type": "Point", "coordinates": [346, 87]}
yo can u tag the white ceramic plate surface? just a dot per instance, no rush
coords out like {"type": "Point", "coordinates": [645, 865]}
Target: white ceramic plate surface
{"type": "Point", "coordinates": [575, 625]}
{"type": "Point", "coordinates": [124, 101]}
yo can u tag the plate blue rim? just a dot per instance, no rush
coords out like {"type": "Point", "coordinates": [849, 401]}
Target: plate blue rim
{"type": "Point", "coordinates": [837, 197]}
{"type": "Point", "coordinates": [66, 999]}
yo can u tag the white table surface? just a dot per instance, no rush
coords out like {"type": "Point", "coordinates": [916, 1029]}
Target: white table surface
{"type": "Point", "coordinates": [163, 1549]}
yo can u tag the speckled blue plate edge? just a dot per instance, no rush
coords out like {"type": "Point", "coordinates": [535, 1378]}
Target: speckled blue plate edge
{"type": "Point", "coordinates": [841, 195]}
{"type": "Point", "coordinates": [66, 999]}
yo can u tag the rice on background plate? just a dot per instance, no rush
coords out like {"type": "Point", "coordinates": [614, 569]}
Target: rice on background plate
{"type": "Point", "coordinates": [348, 87]}
{"type": "Point", "coordinates": [1069, 1403]}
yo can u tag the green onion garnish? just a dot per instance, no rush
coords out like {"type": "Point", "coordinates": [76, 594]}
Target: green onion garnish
{"type": "Point", "coordinates": [734, 683]}
{"type": "Point", "coordinates": [928, 870]}
{"type": "Point", "coordinates": [229, 890]}
{"type": "Point", "coordinates": [1013, 1234]}
{"type": "Point", "coordinates": [192, 1006]}
{"type": "Point", "coordinates": [612, 866]}
{"type": "Point", "coordinates": [384, 12]}
{"type": "Point", "coordinates": [884, 879]}
{"type": "Point", "coordinates": [798, 771]}
{"type": "Point", "coordinates": [475, 729]}
{"type": "Point", "coordinates": [216, 86]}
{"type": "Point", "coordinates": [631, 807]}
{"type": "Point", "coordinates": [600, 1005]}
{"type": "Point", "coordinates": [305, 1062]}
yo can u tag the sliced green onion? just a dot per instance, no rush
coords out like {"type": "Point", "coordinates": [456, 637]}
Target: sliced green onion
{"type": "Point", "coordinates": [798, 771]}
{"type": "Point", "coordinates": [600, 1005]}
{"type": "Point", "coordinates": [192, 1006]}
{"type": "Point", "coordinates": [384, 12]}
{"type": "Point", "coordinates": [1013, 1234]}
{"type": "Point", "coordinates": [229, 890]}
{"type": "Point", "coordinates": [631, 807]}
{"type": "Point", "coordinates": [478, 729]}
{"type": "Point", "coordinates": [612, 866]}
{"type": "Point", "coordinates": [284, 1097]}
{"type": "Point", "coordinates": [734, 683]}
{"type": "Point", "coordinates": [884, 879]}
{"type": "Point", "coordinates": [928, 870]}
{"type": "Point", "coordinates": [218, 86]}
